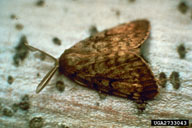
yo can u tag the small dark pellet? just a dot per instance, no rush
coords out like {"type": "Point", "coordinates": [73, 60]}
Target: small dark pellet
{"type": "Point", "coordinates": [117, 13]}
{"type": "Point", "coordinates": [15, 107]}
{"type": "Point", "coordinates": [13, 16]}
{"type": "Point", "coordinates": [97, 103]}
{"type": "Point", "coordinates": [175, 80]}
{"type": "Point", "coordinates": [24, 104]}
{"type": "Point", "coordinates": [182, 7]}
{"type": "Point", "coordinates": [25, 98]}
{"type": "Point", "coordinates": [60, 86]}
{"type": "Point", "coordinates": [10, 79]}
{"type": "Point", "coordinates": [21, 51]}
{"type": "Point", "coordinates": [36, 122]}
{"type": "Point", "coordinates": [56, 41]}
{"type": "Point", "coordinates": [19, 26]}
{"type": "Point", "coordinates": [7, 112]}
{"type": "Point", "coordinates": [38, 74]}
{"type": "Point", "coordinates": [162, 79]}
{"type": "Point", "coordinates": [181, 51]}
{"type": "Point", "coordinates": [40, 3]}
{"type": "Point", "coordinates": [93, 30]}
{"type": "Point", "coordinates": [131, 0]}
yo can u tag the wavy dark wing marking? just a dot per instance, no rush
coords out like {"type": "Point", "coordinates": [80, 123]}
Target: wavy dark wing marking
{"type": "Point", "coordinates": [123, 75]}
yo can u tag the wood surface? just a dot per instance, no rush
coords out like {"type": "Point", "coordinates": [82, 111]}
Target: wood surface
{"type": "Point", "coordinates": [77, 106]}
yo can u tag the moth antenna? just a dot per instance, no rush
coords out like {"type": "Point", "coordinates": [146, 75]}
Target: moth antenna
{"type": "Point", "coordinates": [49, 75]}
{"type": "Point", "coordinates": [36, 49]}
{"type": "Point", "coordinates": [46, 79]}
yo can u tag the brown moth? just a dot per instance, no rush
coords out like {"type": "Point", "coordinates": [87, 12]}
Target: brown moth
{"type": "Point", "coordinates": [110, 62]}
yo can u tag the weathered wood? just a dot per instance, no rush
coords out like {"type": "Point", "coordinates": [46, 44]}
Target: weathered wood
{"type": "Point", "coordinates": [70, 21]}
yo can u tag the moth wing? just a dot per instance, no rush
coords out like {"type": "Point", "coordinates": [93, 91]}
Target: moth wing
{"type": "Point", "coordinates": [133, 33]}
{"type": "Point", "coordinates": [125, 75]}
{"type": "Point", "coordinates": [125, 36]}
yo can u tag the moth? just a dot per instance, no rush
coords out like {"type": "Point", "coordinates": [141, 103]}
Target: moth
{"type": "Point", "coordinates": [109, 61]}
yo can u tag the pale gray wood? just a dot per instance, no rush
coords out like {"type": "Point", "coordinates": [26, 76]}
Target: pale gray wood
{"type": "Point", "coordinates": [70, 20]}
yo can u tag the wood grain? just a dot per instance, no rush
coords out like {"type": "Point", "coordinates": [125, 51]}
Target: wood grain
{"type": "Point", "coordinates": [70, 21]}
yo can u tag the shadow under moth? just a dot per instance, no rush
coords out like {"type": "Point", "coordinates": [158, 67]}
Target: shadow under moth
{"type": "Point", "coordinates": [110, 62]}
